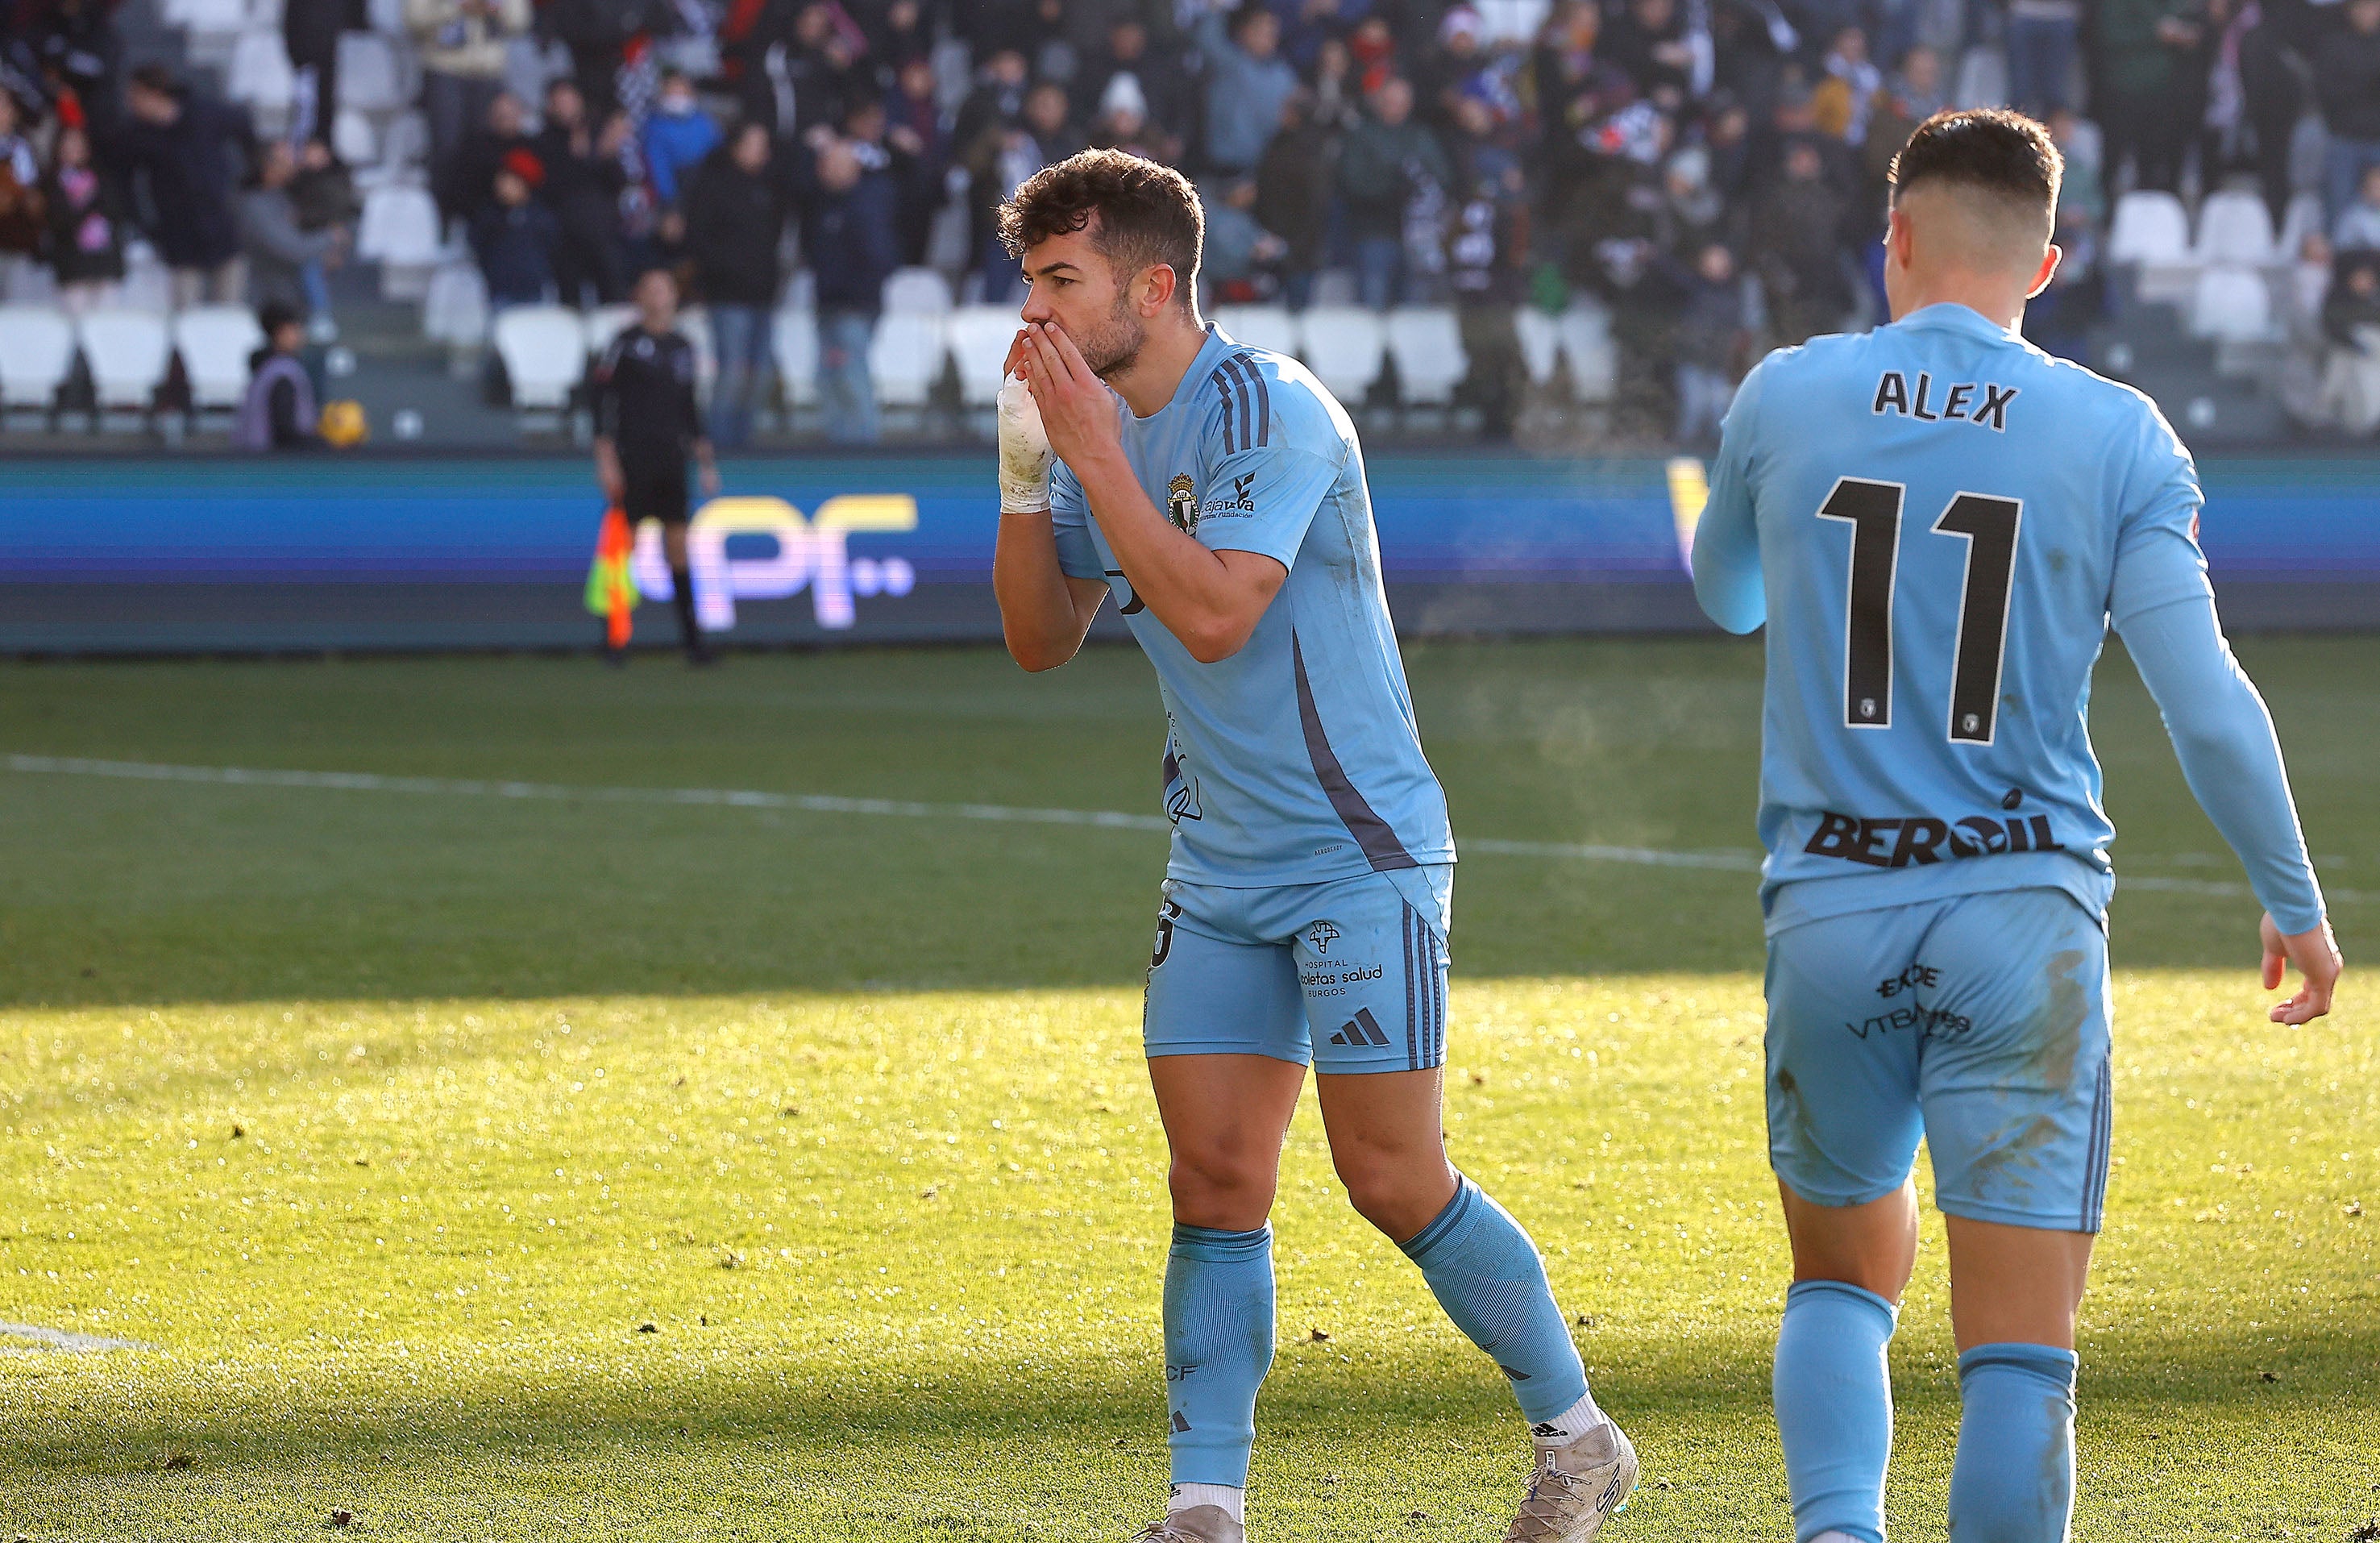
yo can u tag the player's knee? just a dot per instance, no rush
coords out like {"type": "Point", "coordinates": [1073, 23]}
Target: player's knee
{"type": "Point", "coordinates": [1400, 1198]}
{"type": "Point", "coordinates": [1216, 1187]}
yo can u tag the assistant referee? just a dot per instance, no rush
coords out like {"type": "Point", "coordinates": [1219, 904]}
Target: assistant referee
{"type": "Point", "coordinates": [646, 424]}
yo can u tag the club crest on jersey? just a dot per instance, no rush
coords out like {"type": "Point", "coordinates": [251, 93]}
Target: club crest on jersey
{"type": "Point", "coordinates": [1182, 503]}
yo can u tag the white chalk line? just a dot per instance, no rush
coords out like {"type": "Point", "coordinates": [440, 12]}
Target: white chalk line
{"type": "Point", "coordinates": [820, 803]}
{"type": "Point", "coordinates": [65, 1338]}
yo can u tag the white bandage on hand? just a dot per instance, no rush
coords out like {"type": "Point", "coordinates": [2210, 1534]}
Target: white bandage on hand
{"type": "Point", "coordinates": [1024, 451]}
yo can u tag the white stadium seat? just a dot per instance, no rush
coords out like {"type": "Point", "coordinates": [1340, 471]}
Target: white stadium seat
{"type": "Point", "coordinates": [372, 78]}
{"type": "Point", "coordinates": [216, 342]}
{"type": "Point", "coordinates": [606, 322]}
{"type": "Point", "coordinates": [2151, 232]}
{"type": "Point", "coordinates": [37, 349]}
{"type": "Point", "coordinates": [2232, 305]}
{"type": "Point", "coordinates": [1540, 338]}
{"type": "Point", "coordinates": [980, 339]}
{"type": "Point", "coordinates": [2351, 386]}
{"type": "Point", "coordinates": [544, 350]}
{"type": "Point", "coordinates": [217, 18]}
{"type": "Point", "coordinates": [352, 138]}
{"type": "Point", "coordinates": [693, 325]}
{"type": "Point", "coordinates": [455, 306]}
{"type": "Point", "coordinates": [128, 352]}
{"type": "Point", "coordinates": [406, 141]}
{"type": "Point", "coordinates": [2304, 218]}
{"type": "Point", "coordinates": [1344, 347]}
{"type": "Point", "coordinates": [794, 340]}
{"type": "Point", "coordinates": [1513, 21]}
{"type": "Point", "coordinates": [2149, 227]}
{"type": "Point", "coordinates": [399, 227]}
{"type": "Point", "coordinates": [917, 290]}
{"type": "Point", "coordinates": [259, 73]}
{"type": "Point", "coordinates": [1272, 328]}
{"type": "Point", "coordinates": [2234, 228]}
{"type": "Point", "coordinates": [1586, 332]}
{"type": "Point", "coordinates": [1427, 343]}
{"type": "Point", "coordinates": [905, 358]}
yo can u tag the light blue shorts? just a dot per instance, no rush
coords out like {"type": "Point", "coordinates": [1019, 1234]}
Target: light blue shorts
{"type": "Point", "coordinates": [1349, 976]}
{"type": "Point", "coordinates": [1979, 1022]}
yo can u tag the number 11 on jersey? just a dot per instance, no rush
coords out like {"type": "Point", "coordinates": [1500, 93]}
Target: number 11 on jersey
{"type": "Point", "coordinates": [1989, 526]}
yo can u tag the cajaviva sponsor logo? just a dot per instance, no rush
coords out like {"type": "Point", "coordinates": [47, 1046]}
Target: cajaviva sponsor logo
{"type": "Point", "coordinates": [779, 554]}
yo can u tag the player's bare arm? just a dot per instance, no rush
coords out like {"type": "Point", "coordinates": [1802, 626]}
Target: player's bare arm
{"type": "Point", "coordinates": [1044, 613]}
{"type": "Point", "coordinates": [1210, 601]}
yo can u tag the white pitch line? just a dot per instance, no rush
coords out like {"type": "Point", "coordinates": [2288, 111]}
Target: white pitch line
{"type": "Point", "coordinates": [66, 1340]}
{"type": "Point", "coordinates": [1730, 862]}
{"type": "Point", "coordinates": [820, 803]}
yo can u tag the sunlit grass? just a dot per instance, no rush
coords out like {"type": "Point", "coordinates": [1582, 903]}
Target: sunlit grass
{"type": "Point", "coordinates": [899, 1253]}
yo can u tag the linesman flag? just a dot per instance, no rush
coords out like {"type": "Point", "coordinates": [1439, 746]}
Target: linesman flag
{"type": "Point", "coordinates": [611, 588]}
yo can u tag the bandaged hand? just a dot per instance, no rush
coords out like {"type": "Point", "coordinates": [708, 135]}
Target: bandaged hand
{"type": "Point", "coordinates": [1024, 451]}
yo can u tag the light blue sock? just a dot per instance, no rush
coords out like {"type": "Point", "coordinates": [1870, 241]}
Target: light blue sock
{"type": "Point", "coordinates": [1485, 1273]}
{"type": "Point", "coordinates": [1833, 1388]}
{"type": "Point", "coordinates": [2013, 1481]}
{"type": "Point", "coordinates": [1218, 1348]}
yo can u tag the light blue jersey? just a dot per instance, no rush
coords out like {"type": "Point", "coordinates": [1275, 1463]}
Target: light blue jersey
{"type": "Point", "coordinates": [1937, 521]}
{"type": "Point", "coordinates": [1297, 759]}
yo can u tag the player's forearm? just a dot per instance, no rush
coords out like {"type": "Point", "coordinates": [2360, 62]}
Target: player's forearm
{"type": "Point", "coordinates": [1189, 588]}
{"type": "Point", "coordinates": [1726, 562]}
{"type": "Point", "coordinates": [1038, 619]}
{"type": "Point", "coordinates": [2230, 755]}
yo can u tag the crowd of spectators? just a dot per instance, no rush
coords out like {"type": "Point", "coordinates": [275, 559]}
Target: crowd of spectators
{"type": "Point", "coordinates": [1713, 170]}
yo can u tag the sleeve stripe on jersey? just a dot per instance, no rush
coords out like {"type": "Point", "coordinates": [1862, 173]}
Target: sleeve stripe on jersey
{"type": "Point", "coordinates": [1264, 401]}
{"type": "Point", "coordinates": [1234, 368]}
{"type": "Point", "coordinates": [1373, 834]}
{"type": "Point", "coordinates": [1223, 390]}
{"type": "Point", "coordinates": [1254, 400]}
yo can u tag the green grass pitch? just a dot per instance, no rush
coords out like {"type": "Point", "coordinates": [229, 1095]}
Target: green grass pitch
{"type": "Point", "coordinates": [384, 1122]}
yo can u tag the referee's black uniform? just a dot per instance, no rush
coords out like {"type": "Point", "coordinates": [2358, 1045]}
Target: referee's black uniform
{"type": "Point", "coordinates": [642, 393]}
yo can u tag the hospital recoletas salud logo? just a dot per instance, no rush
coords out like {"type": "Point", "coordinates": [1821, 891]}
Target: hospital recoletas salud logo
{"type": "Point", "coordinates": [778, 555]}
{"type": "Point", "coordinates": [1182, 503]}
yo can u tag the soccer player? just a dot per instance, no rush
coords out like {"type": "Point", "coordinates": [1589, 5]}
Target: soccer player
{"type": "Point", "coordinates": [1937, 522]}
{"type": "Point", "coordinates": [646, 422]}
{"type": "Point", "coordinates": [1217, 492]}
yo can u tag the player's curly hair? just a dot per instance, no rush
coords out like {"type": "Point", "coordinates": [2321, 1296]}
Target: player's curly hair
{"type": "Point", "coordinates": [1148, 213]}
{"type": "Point", "coordinates": [1989, 149]}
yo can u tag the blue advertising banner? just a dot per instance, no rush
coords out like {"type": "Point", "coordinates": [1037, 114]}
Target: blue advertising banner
{"type": "Point", "coordinates": [163, 554]}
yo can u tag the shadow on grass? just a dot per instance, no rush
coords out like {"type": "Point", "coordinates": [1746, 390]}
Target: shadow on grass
{"type": "Point", "coordinates": [2126, 1375]}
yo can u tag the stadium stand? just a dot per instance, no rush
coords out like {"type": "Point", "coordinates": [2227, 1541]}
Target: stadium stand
{"type": "Point", "coordinates": [37, 351]}
{"type": "Point", "coordinates": [1426, 344]}
{"type": "Point", "coordinates": [1563, 162]}
{"type": "Point", "coordinates": [128, 354]}
{"type": "Point", "coordinates": [1260, 326]}
{"type": "Point", "coordinates": [1344, 345]}
{"type": "Point", "coordinates": [214, 342]}
{"type": "Point", "coordinates": [979, 337]}
{"type": "Point", "coordinates": [544, 349]}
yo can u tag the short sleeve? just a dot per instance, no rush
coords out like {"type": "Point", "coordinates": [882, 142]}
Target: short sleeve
{"type": "Point", "coordinates": [1070, 521]}
{"type": "Point", "coordinates": [2158, 562]}
{"type": "Point", "coordinates": [1262, 499]}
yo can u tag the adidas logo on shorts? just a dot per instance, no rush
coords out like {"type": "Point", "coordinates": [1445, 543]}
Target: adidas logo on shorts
{"type": "Point", "coordinates": [1360, 1030]}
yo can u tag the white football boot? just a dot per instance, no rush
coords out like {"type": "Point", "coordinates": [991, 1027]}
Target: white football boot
{"type": "Point", "coordinates": [1200, 1523]}
{"type": "Point", "coordinates": [1574, 1489]}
